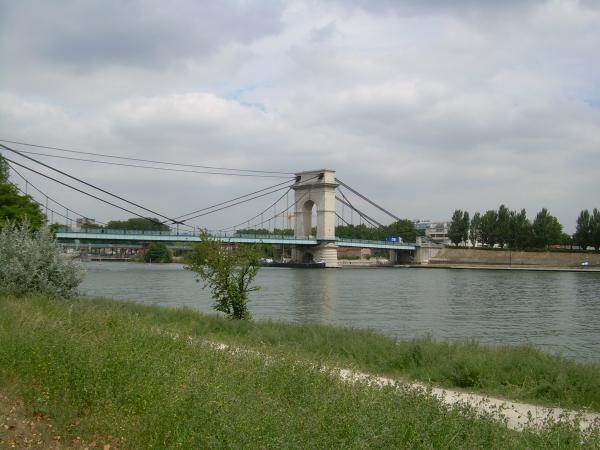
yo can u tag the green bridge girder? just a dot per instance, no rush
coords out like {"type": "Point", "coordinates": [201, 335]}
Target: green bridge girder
{"type": "Point", "coordinates": [166, 236]}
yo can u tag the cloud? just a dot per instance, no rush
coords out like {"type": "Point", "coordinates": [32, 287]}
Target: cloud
{"type": "Point", "coordinates": [152, 34]}
{"type": "Point", "coordinates": [426, 106]}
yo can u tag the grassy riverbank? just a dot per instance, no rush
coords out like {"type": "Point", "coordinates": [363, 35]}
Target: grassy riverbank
{"type": "Point", "coordinates": [100, 368]}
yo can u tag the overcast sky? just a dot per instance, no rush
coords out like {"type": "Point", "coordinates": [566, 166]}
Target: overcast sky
{"type": "Point", "coordinates": [424, 106]}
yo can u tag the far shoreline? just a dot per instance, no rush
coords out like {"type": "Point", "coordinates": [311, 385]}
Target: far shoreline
{"type": "Point", "coordinates": [532, 268]}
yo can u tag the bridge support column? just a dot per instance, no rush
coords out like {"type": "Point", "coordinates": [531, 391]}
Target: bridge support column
{"type": "Point", "coordinates": [402, 256]}
{"type": "Point", "coordinates": [324, 251]}
{"type": "Point", "coordinates": [316, 188]}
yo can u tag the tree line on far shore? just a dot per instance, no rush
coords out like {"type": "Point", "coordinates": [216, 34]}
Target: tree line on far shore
{"type": "Point", "coordinates": [403, 228]}
{"type": "Point", "coordinates": [513, 229]}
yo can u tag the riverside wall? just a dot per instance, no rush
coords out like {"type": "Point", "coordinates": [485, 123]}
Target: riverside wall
{"type": "Point", "coordinates": [373, 262]}
{"type": "Point", "coordinates": [515, 258]}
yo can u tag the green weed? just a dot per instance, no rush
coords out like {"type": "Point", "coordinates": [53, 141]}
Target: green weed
{"type": "Point", "coordinates": [103, 368]}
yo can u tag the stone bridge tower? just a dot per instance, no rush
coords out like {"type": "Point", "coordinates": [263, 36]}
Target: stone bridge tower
{"type": "Point", "coordinates": [315, 188]}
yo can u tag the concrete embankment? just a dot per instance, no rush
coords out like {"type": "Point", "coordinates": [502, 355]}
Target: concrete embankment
{"type": "Point", "coordinates": [497, 258]}
{"type": "Point", "coordinates": [373, 262]}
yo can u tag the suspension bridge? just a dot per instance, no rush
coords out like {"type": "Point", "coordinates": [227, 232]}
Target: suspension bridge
{"type": "Point", "coordinates": [312, 190]}
{"type": "Point", "coordinates": [319, 204]}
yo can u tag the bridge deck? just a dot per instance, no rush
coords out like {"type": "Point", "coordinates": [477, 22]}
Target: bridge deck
{"type": "Point", "coordinates": [166, 236]}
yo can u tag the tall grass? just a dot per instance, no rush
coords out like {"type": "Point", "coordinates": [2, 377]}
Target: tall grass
{"type": "Point", "coordinates": [515, 372]}
{"type": "Point", "coordinates": [104, 368]}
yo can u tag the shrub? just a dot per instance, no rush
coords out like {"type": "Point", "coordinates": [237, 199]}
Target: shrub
{"type": "Point", "coordinates": [228, 272]}
{"type": "Point", "coordinates": [30, 262]}
{"type": "Point", "coordinates": [158, 253]}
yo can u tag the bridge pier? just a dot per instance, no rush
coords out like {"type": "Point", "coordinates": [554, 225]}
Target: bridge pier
{"type": "Point", "coordinates": [324, 251]}
{"type": "Point", "coordinates": [402, 257]}
{"type": "Point", "coordinates": [316, 188]}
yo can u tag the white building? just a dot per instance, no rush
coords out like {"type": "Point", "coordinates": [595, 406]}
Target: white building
{"type": "Point", "coordinates": [436, 232]}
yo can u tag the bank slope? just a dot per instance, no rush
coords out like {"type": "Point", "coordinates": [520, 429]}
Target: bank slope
{"type": "Point", "coordinates": [102, 368]}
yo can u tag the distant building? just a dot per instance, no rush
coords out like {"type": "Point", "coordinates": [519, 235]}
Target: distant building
{"type": "Point", "coordinates": [436, 232]}
{"type": "Point", "coordinates": [81, 222]}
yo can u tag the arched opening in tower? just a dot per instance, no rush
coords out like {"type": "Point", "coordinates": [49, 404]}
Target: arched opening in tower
{"type": "Point", "coordinates": [309, 217]}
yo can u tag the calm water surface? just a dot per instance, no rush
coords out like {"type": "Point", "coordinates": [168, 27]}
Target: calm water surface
{"type": "Point", "coordinates": [557, 311]}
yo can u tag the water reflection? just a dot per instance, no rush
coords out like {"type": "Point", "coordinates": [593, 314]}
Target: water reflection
{"type": "Point", "coordinates": [558, 312]}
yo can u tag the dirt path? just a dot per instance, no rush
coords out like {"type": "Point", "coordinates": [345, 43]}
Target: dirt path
{"type": "Point", "coordinates": [17, 430]}
{"type": "Point", "coordinates": [20, 430]}
{"type": "Point", "coordinates": [517, 415]}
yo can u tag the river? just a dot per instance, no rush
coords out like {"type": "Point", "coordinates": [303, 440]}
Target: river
{"type": "Point", "coordinates": [558, 312]}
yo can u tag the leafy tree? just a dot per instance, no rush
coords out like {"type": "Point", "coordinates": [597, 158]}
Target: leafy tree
{"type": "Point", "coordinates": [357, 232]}
{"type": "Point", "coordinates": [158, 253]}
{"type": "Point", "coordinates": [228, 272]}
{"type": "Point", "coordinates": [4, 173]}
{"type": "Point", "coordinates": [583, 231]}
{"type": "Point", "coordinates": [475, 229]}
{"type": "Point", "coordinates": [547, 230]}
{"type": "Point", "coordinates": [520, 232]}
{"type": "Point", "coordinates": [404, 228]}
{"type": "Point", "coordinates": [566, 240]}
{"type": "Point", "coordinates": [503, 225]}
{"type": "Point", "coordinates": [54, 227]}
{"type": "Point", "coordinates": [595, 229]}
{"type": "Point", "coordinates": [489, 228]}
{"type": "Point", "coordinates": [138, 223]}
{"type": "Point", "coordinates": [14, 206]}
{"type": "Point", "coordinates": [90, 226]}
{"type": "Point", "coordinates": [266, 232]}
{"type": "Point", "coordinates": [459, 227]}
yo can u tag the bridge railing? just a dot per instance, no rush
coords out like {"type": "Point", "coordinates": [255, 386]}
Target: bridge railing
{"type": "Point", "coordinates": [126, 232]}
{"type": "Point", "coordinates": [258, 237]}
{"type": "Point", "coordinates": [180, 233]}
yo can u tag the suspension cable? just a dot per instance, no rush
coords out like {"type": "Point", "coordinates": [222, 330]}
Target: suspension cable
{"type": "Point", "coordinates": [88, 184]}
{"type": "Point", "coordinates": [229, 201]}
{"type": "Point", "coordinates": [381, 208]}
{"type": "Point", "coordinates": [291, 187]}
{"type": "Point", "coordinates": [372, 221]}
{"type": "Point", "coordinates": [83, 192]}
{"type": "Point", "coordinates": [155, 168]}
{"type": "Point", "coordinates": [46, 195]}
{"type": "Point", "coordinates": [143, 160]}
{"type": "Point", "coordinates": [343, 220]}
{"type": "Point", "coordinates": [276, 214]}
{"type": "Point", "coordinates": [259, 214]}
{"type": "Point", "coordinates": [234, 204]}
{"type": "Point", "coordinates": [41, 205]}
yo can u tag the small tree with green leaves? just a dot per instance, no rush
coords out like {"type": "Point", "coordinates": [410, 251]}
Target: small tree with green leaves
{"type": "Point", "coordinates": [228, 271]}
{"type": "Point", "coordinates": [489, 228]}
{"type": "Point", "coordinates": [595, 229]}
{"type": "Point", "coordinates": [138, 223]}
{"type": "Point", "coordinates": [158, 252]}
{"type": "Point", "coordinates": [547, 230]}
{"type": "Point", "coordinates": [583, 232]}
{"type": "Point", "coordinates": [475, 229]}
{"type": "Point", "coordinates": [503, 225]}
{"type": "Point", "coordinates": [15, 207]}
{"type": "Point", "coordinates": [459, 227]}
{"type": "Point", "coordinates": [520, 231]}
